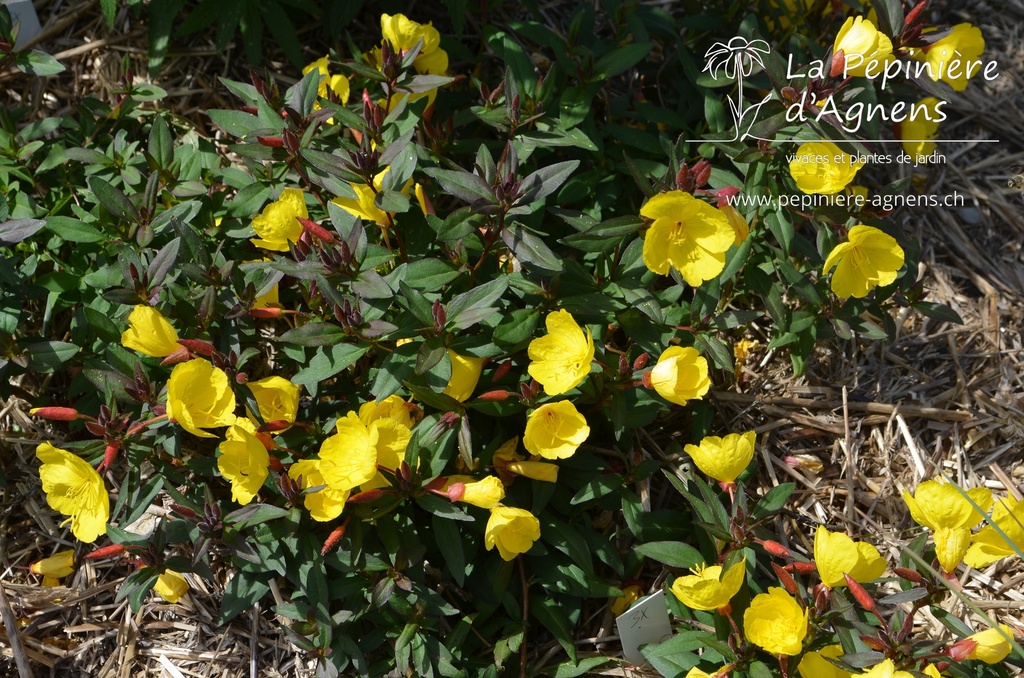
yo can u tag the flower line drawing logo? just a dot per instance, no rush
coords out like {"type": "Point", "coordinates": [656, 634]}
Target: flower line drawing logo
{"type": "Point", "coordinates": [736, 59]}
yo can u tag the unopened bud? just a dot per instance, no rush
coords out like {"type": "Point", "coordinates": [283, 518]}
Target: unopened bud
{"type": "Point", "coordinates": [198, 346]}
{"type": "Point", "coordinates": [316, 230]}
{"type": "Point", "coordinates": [860, 594]}
{"type": "Point", "coordinates": [266, 313]}
{"type": "Point", "coordinates": [805, 568]}
{"type": "Point", "coordinates": [495, 396]}
{"type": "Point", "coordinates": [109, 455]}
{"type": "Point", "coordinates": [271, 142]}
{"type": "Point", "coordinates": [56, 413]}
{"type": "Point", "coordinates": [333, 538]}
{"type": "Point", "coordinates": [641, 362]}
{"type": "Point", "coordinates": [775, 548]}
{"type": "Point", "coordinates": [908, 574]}
{"type": "Point", "coordinates": [786, 579]}
{"type": "Point", "coordinates": [456, 491]}
{"type": "Point", "coordinates": [184, 511]}
{"type": "Point", "coordinates": [701, 173]}
{"type": "Point", "coordinates": [682, 175]}
{"type": "Point", "coordinates": [112, 551]}
{"type": "Point", "coordinates": [914, 15]}
{"type": "Point", "coordinates": [364, 497]}
{"type": "Point", "coordinates": [838, 64]}
{"type": "Point", "coordinates": [647, 380]}
{"type": "Point", "coordinates": [501, 370]}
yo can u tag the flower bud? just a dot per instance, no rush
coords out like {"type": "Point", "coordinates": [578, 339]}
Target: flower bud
{"type": "Point", "coordinates": [908, 574]}
{"type": "Point", "coordinates": [641, 362]}
{"type": "Point", "coordinates": [316, 230]}
{"type": "Point", "coordinates": [838, 64]}
{"type": "Point", "coordinates": [270, 142]}
{"type": "Point", "coordinates": [495, 396]}
{"type": "Point", "coordinates": [364, 497]}
{"type": "Point", "coordinates": [805, 568]}
{"type": "Point", "coordinates": [333, 538]}
{"type": "Point", "coordinates": [56, 413]}
{"type": "Point", "coordinates": [198, 346]}
{"type": "Point", "coordinates": [874, 642]}
{"type": "Point", "coordinates": [111, 551]}
{"type": "Point", "coordinates": [774, 548]}
{"type": "Point", "coordinates": [860, 594]}
{"type": "Point", "coordinates": [961, 650]}
{"type": "Point", "coordinates": [786, 579]}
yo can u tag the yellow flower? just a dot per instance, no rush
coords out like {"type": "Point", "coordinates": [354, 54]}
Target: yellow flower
{"type": "Point", "coordinates": [886, 670]}
{"type": "Point", "coordinates": [941, 507]}
{"type": "Point", "coordinates": [324, 505]}
{"type": "Point", "coordinates": [868, 259]}
{"type": "Point", "coordinates": [555, 430]}
{"type": "Point", "coordinates": [536, 470]}
{"type": "Point", "coordinates": [776, 623]}
{"type": "Point", "coordinates": [708, 588]}
{"type": "Point", "coordinates": [688, 235]}
{"type": "Point", "coordinates": [836, 554]}
{"type": "Point", "coordinates": [149, 333]}
{"type": "Point", "coordinates": [815, 170]}
{"type": "Point", "coordinates": [681, 375]}
{"type": "Point", "coordinates": [560, 360]}
{"type": "Point", "coordinates": [485, 493]}
{"type": "Point", "coordinates": [349, 457]}
{"type": "Point", "coordinates": [740, 352]}
{"type": "Point", "coordinates": [630, 595]}
{"type": "Point", "coordinates": [392, 407]}
{"type": "Point", "coordinates": [814, 664]}
{"type": "Point", "coordinates": [737, 221]}
{"type": "Point", "coordinates": [170, 586]}
{"type": "Point", "coordinates": [270, 299]}
{"type": "Point", "coordinates": [404, 33]}
{"type": "Point", "coordinates": [363, 205]}
{"type": "Point", "coordinates": [277, 398]}
{"type": "Point", "coordinates": [75, 489]}
{"type": "Point", "coordinates": [925, 125]}
{"type": "Point", "coordinates": [465, 375]}
{"type": "Point", "coordinates": [277, 225]}
{"type": "Point", "coordinates": [866, 49]}
{"type": "Point", "coordinates": [990, 546]}
{"type": "Point", "coordinates": [337, 83]}
{"type": "Point", "coordinates": [199, 396]}
{"type": "Point", "coordinates": [931, 671]}
{"type": "Point", "coordinates": [964, 43]}
{"type": "Point", "coordinates": [993, 644]}
{"type": "Point", "coordinates": [698, 673]}
{"type": "Point", "coordinates": [723, 459]}
{"type": "Point", "coordinates": [506, 460]}
{"type": "Point", "coordinates": [243, 461]}
{"type": "Point", "coordinates": [512, 530]}
{"type": "Point", "coordinates": [54, 568]}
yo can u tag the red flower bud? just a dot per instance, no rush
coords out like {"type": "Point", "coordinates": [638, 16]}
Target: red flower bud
{"type": "Point", "coordinates": [860, 594]}
{"type": "Point", "coordinates": [647, 380]}
{"type": "Point", "coordinates": [276, 464]}
{"type": "Point", "coordinates": [179, 356]}
{"type": "Point", "coordinates": [184, 511]}
{"type": "Point", "coordinates": [838, 64]}
{"type": "Point", "coordinates": [495, 396]}
{"type": "Point", "coordinates": [501, 370]}
{"type": "Point", "coordinates": [914, 15]}
{"type": "Point", "coordinates": [56, 413]}
{"type": "Point", "coordinates": [271, 142]}
{"type": "Point", "coordinates": [333, 538]}
{"type": "Point", "coordinates": [786, 579]}
{"type": "Point", "coordinates": [641, 362]}
{"type": "Point", "coordinates": [775, 548]}
{"type": "Point", "coordinates": [198, 346]}
{"type": "Point", "coordinates": [908, 574]}
{"type": "Point", "coordinates": [111, 551]}
{"type": "Point", "coordinates": [805, 568]}
{"type": "Point", "coordinates": [266, 313]}
{"type": "Point", "coordinates": [109, 455]}
{"type": "Point", "coordinates": [316, 230]}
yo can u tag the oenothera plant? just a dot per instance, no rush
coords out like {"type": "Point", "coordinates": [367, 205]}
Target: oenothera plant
{"type": "Point", "coordinates": [393, 358]}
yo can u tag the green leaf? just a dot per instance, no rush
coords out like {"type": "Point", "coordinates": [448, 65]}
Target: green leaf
{"type": "Point", "coordinates": [109, 8]}
{"type": "Point", "coordinates": [449, 541]}
{"type": "Point", "coordinates": [160, 143]}
{"type": "Point", "coordinates": [772, 501]}
{"type": "Point", "coordinates": [254, 514]}
{"type": "Point", "coordinates": [463, 185]}
{"type": "Point", "coordinates": [13, 232]}
{"type": "Point", "coordinates": [620, 60]}
{"type": "Point", "coordinates": [549, 613]}
{"type": "Point", "coordinates": [236, 123]}
{"type": "Point", "coordinates": [481, 298]}
{"type": "Point", "coordinates": [890, 16]}
{"type": "Point", "coordinates": [38, 63]}
{"type": "Point", "coordinates": [530, 249]}
{"type": "Point", "coordinates": [242, 592]}
{"type": "Point", "coordinates": [937, 312]}
{"type": "Point", "coordinates": [111, 197]}
{"type": "Point", "coordinates": [572, 669]}
{"type": "Point", "coordinates": [545, 181]}
{"type": "Point", "coordinates": [671, 553]}
{"type": "Point", "coordinates": [315, 334]}
{"type": "Point", "coordinates": [327, 362]}
{"type": "Point", "coordinates": [47, 356]}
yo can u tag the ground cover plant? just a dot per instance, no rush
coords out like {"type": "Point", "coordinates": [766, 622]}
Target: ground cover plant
{"type": "Point", "coordinates": [384, 349]}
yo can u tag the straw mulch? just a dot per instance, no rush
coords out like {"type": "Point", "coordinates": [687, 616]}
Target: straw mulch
{"type": "Point", "coordinates": [866, 422]}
